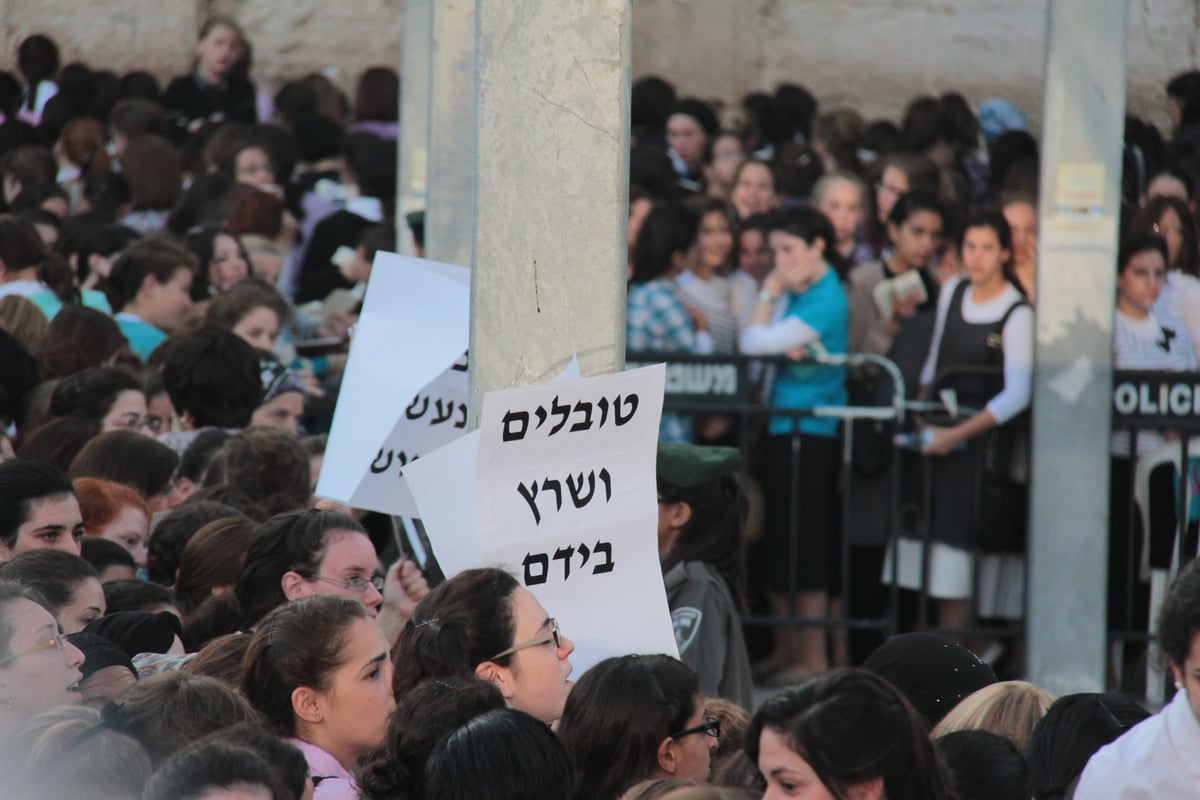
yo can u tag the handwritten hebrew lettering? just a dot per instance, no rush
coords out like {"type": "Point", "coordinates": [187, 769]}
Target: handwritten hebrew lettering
{"type": "Point", "coordinates": [538, 560]}
{"type": "Point", "coordinates": [557, 409]}
{"type": "Point", "coordinates": [633, 401]}
{"type": "Point", "coordinates": [581, 488]}
{"type": "Point", "coordinates": [575, 487]}
{"type": "Point", "coordinates": [445, 410]}
{"type": "Point", "coordinates": [607, 566]}
{"type": "Point", "coordinates": [556, 487]}
{"type": "Point", "coordinates": [537, 565]}
{"type": "Point", "coordinates": [586, 423]}
{"type": "Point", "coordinates": [564, 554]}
{"type": "Point", "coordinates": [530, 495]}
{"type": "Point", "coordinates": [411, 414]}
{"type": "Point", "coordinates": [376, 467]}
{"type": "Point", "coordinates": [581, 416]}
{"type": "Point", "coordinates": [509, 435]}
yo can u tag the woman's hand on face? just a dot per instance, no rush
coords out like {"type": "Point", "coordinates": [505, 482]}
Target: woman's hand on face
{"type": "Point", "coordinates": [943, 442]}
{"type": "Point", "coordinates": [775, 283]}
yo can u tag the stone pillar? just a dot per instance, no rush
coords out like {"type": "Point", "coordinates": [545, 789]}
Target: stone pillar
{"type": "Point", "coordinates": [552, 156]}
{"type": "Point", "coordinates": [451, 133]}
{"type": "Point", "coordinates": [415, 76]}
{"type": "Point", "coordinates": [1072, 394]}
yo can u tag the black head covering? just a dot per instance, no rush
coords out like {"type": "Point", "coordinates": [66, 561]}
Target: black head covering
{"type": "Point", "coordinates": [138, 631]}
{"type": "Point", "coordinates": [99, 653]}
{"type": "Point", "coordinates": [933, 672]}
{"type": "Point", "coordinates": [700, 111]}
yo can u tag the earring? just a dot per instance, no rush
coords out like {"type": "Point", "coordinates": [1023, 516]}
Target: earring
{"type": "Point", "coordinates": [1178, 685]}
{"type": "Point", "coordinates": [319, 718]}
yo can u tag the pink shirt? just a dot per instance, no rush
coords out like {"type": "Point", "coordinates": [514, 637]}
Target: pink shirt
{"type": "Point", "coordinates": [332, 780]}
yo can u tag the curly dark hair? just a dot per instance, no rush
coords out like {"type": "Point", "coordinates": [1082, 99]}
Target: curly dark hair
{"type": "Point", "coordinates": [1179, 617]}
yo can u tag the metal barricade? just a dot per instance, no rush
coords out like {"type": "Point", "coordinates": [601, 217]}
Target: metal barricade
{"type": "Point", "coordinates": [726, 385]}
{"type": "Point", "coordinates": [1143, 402]}
{"type": "Point", "coordinates": [1161, 501]}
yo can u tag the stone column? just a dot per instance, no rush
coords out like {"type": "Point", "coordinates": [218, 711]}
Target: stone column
{"type": "Point", "coordinates": [415, 75]}
{"type": "Point", "coordinates": [451, 133]}
{"type": "Point", "coordinates": [552, 156]}
{"type": "Point", "coordinates": [1072, 394]}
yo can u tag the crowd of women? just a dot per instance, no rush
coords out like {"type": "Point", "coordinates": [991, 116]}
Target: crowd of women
{"type": "Point", "coordinates": [180, 619]}
{"type": "Point", "coordinates": [780, 229]}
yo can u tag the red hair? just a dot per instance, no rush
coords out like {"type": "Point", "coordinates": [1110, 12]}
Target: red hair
{"type": "Point", "coordinates": [100, 502]}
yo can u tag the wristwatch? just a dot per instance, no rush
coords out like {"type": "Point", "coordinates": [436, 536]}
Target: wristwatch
{"type": "Point", "coordinates": [765, 297]}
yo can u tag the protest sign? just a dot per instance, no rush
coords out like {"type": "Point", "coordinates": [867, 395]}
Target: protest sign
{"type": "Point", "coordinates": [413, 325]}
{"type": "Point", "coordinates": [436, 416]}
{"type": "Point", "coordinates": [566, 494]}
{"type": "Point", "coordinates": [443, 485]}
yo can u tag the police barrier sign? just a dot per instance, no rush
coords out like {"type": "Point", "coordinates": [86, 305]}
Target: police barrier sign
{"type": "Point", "coordinates": [1156, 399]}
{"type": "Point", "coordinates": [699, 380]}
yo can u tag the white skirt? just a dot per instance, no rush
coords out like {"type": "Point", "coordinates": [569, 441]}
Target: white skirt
{"type": "Point", "coordinates": [951, 570]}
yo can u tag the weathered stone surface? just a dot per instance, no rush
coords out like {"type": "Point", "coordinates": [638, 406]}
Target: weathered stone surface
{"type": "Point", "coordinates": [875, 55]}
{"type": "Point", "coordinates": [871, 54]}
{"type": "Point", "coordinates": [155, 35]}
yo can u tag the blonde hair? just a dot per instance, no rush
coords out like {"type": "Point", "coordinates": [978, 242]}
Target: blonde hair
{"type": "Point", "coordinates": [21, 317]}
{"type": "Point", "coordinates": [825, 181]}
{"type": "Point", "coordinates": [66, 750]}
{"type": "Point", "coordinates": [256, 244]}
{"type": "Point", "coordinates": [1010, 709]}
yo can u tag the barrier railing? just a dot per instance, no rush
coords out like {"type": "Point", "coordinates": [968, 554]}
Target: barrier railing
{"type": "Point", "coordinates": [727, 385]}
{"type": "Point", "coordinates": [1142, 402]}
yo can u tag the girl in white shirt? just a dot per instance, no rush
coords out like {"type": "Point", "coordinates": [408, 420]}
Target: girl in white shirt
{"type": "Point", "coordinates": [983, 321]}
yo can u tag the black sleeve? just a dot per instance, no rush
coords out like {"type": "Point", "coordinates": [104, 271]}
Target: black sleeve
{"type": "Point", "coordinates": [318, 274]}
{"type": "Point", "coordinates": [241, 105]}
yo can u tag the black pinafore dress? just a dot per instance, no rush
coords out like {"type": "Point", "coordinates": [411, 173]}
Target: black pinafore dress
{"type": "Point", "coordinates": [974, 504]}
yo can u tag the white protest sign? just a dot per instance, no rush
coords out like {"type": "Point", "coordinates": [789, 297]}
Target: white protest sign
{"type": "Point", "coordinates": [443, 487]}
{"type": "Point", "coordinates": [434, 418]}
{"type": "Point", "coordinates": [413, 324]}
{"type": "Point", "coordinates": [566, 500]}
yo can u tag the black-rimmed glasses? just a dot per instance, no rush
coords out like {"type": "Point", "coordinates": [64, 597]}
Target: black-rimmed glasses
{"type": "Point", "coordinates": [710, 726]}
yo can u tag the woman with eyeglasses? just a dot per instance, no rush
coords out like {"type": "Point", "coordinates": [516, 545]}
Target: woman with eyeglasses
{"type": "Point", "coordinates": [318, 671]}
{"type": "Point", "coordinates": [632, 718]}
{"type": "Point", "coordinates": [39, 668]}
{"type": "Point", "coordinates": [107, 395]}
{"type": "Point", "coordinates": [306, 553]}
{"type": "Point", "coordinates": [482, 622]}
{"type": "Point", "coordinates": [848, 733]}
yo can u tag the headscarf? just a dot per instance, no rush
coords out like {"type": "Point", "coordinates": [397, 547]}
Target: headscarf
{"type": "Point", "coordinates": [934, 672]}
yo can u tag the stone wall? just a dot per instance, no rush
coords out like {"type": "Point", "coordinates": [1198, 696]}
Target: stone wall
{"type": "Point", "coordinates": [870, 54]}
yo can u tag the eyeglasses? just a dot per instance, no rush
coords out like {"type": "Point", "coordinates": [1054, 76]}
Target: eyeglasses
{"type": "Point", "coordinates": [355, 583]}
{"type": "Point", "coordinates": [59, 642]}
{"type": "Point", "coordinates": [134, 421]}
{"type": "Point", "coordinates": [534, 642]}
{"type": "Point", "coordinates": [710, 726]}
{"type": "Point", "coordinates": [892, 190]}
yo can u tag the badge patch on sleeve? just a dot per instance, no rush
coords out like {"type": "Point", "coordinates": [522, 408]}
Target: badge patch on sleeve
{"type": "Point", "coordinates": [686, 621]}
